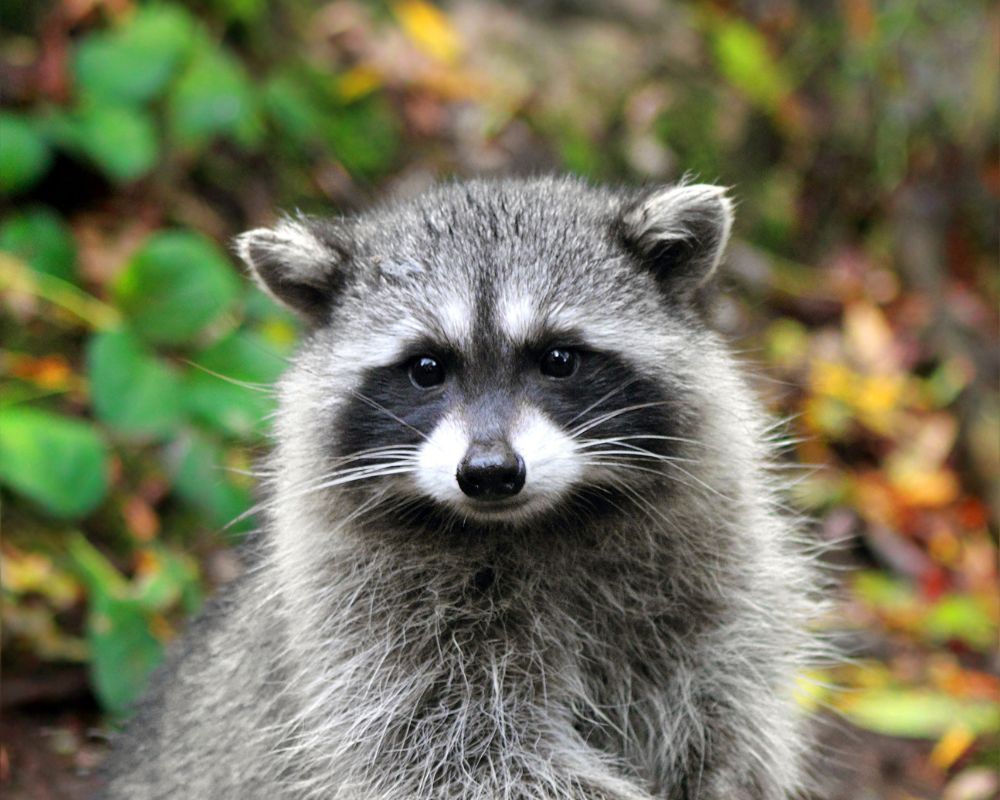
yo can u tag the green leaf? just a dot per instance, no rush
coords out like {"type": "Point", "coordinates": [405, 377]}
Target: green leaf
{"type": "Point", "coordinates": [94, 570]}
{"type": "Point", "coordinates": [230, 409]}
{"type": "Point", "coordinates": [310, 113]}
{"type": "Point", "coordinates": [883, 592]}
{"type": "Point", "coordinates": [291, 104]}
{"type": "Point", "coordinates": [246, 11]}
{"type": "Point", "coordinates": [173, 579]}
{"type": "Point", "coordinates": [961, 617]}
{"type": "Point", "coordinates": [134, 63]}
{"type": "Point", "coordinates": [24, 154]}
{"type": "Point", "coordinates": [176, 284]}
{"type": "Point", "coordinates": [41, 239]}
{"type": "Point", "coordinates": [919, 713]}
{"type": "Point", "coordinates": [745, 60]}
{"type": "Point", "coordinates": [579, 154]}
{"type": "Point", "coordinates": [132, 390]}
{"type": "Point", "coordinates": [61, 463]}
{"type": "Point", "coordinates": [203, 482]}
{"type": "Point", "coordinates": [260, 307]}
{"type": "Point", "coordinates": [212, 395]}
{"type": "Point", "coordinates": [243, 356]}
{"type": "Point", "coordinates": [689, 127]}
{"type": "Point", "coordinates": [123, 651]}
{"type": "Point", "coordinates": [120, 141]}
{"type": "Point", "coordinates": [214, 98]}
{"type": "Point", "coordinates": [364, 136]}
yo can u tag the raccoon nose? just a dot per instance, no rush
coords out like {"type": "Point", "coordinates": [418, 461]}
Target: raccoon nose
{"type": "Point", "coordinates": [491, 470]}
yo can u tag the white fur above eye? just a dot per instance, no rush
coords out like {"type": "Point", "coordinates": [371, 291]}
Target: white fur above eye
{"type": "Point", "coordinates": [454, 319]}
{"type": "Point", "coordinates": [519, 318]}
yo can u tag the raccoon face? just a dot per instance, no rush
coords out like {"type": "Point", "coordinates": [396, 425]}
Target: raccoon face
{"type": "Point", "coordinates": [507, 427]}
{"type": "Point", "coordinates": [495, 350]}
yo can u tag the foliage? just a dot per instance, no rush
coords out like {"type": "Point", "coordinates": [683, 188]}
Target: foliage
{"type": "Point", "coordinates": [139, 137]}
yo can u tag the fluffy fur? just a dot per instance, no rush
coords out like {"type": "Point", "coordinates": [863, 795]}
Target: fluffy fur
{"type": "Point", "coordinates": [628, 627]}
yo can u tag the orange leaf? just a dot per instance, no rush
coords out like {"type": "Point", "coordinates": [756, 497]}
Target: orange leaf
{"type": "Point", "coordinates": [49, 372]}
{"type": "Point", "coordinates": [142, 521]}
{"type": "Point", "coordinates": [950, 747]}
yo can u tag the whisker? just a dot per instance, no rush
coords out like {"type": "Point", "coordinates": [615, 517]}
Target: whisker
{"type": "Point", "coordinates": [264, 388]}
{"type": "Point", "coordinates": [655, 437]}
{"type": "Point", "coordinates": [337, 478]}
{"type": "Point", "coordinates": [638, 468]}
{"type": "Point", "coordinates": [376, 405]}
{"type": "Point", "coordinates": [640, 452]}
{"type": "Point", "coordinates": [580, 429]}
{"type": "Point", "coordinates": [602, 399]}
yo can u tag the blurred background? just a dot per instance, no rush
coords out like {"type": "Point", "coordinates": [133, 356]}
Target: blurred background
{"type": "Point", "coordinates": [860, 138]}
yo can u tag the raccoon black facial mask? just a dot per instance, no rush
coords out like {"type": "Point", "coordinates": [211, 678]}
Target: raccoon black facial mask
{"type": "Point", "coordinates": [520, 538]}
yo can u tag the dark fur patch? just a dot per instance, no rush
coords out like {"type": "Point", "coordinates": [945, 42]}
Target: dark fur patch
{"type": "Point", "coordinates": [606, 386]}
{"type": "Point", "coordinates": [606, 397]}
{"type": "Point", "coordinates": [484, 579]}
{"type": "Point", "coordinates": [387, 409]}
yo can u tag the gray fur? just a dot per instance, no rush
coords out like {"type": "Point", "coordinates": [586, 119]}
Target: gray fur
{"type": "Point", "coordinates": [645, 653]}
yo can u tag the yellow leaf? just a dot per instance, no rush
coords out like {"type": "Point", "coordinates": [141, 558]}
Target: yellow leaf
{"type": "Point", "coordinates": [918, 471]}
{"type": "Point", "coordinates": [832, 380]}
{"type": "Point", "coordinates": [37, 627]}
{"type": "Point", "coordinates": [869, 338]}
{"type": "Point", "coordinates": [279, 332]}
{"type": "Point", "coordinates": [925, 488]}
{"type": "Point", "coordinates": [878, 399]}
{"type": "Point", "coordinates": [24, 573]}
{"type": "Point", "coordinates": [429, 29]}
{"type": "Point", "coordinates": [812, 689]}
{"type": "Point", "coordinates": [358, 82]}
{"type": "Point", "coordinates": [453, 84]}
{"type": "Point", "coordinates": [787, 343]}
{"type": "Point", "coordinates": [827, 416]}
{"type": "Point", "coordinates": [944, 547]}
{"type": "Point", "coordinates": [874, 500]}
{"type": "Point", "coordinates": [950, 747]}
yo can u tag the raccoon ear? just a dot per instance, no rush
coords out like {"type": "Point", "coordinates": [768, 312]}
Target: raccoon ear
{"type": "Point", "coordinates": [299, 262]}
{"type": "Point", "coordinates": [680, 233]}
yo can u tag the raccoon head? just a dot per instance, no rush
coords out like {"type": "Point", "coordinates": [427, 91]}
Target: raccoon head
{"type": "Point", "coordinates": [494, 350]}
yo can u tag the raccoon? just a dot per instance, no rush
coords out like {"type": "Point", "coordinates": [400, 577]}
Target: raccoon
{"type": "Point", "coordinates": [521, 537]}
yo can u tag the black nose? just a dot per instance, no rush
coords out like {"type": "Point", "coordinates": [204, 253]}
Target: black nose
{"type": "Point", "coordinates": [491, 470]}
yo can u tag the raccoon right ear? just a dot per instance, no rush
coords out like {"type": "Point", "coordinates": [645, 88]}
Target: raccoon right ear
{"type": "Point", "coordinates": [679, 233]}
{"type": "Point", "coordinates": [300, 263]}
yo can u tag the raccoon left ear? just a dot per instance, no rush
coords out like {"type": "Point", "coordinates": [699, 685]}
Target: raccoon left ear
{"type": "Point", "coordinates": [300, 263]}
{"type": "Point", "coordinates": [680, 233]}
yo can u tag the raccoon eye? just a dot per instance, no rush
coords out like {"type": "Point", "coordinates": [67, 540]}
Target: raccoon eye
{"type": "Point", "coordinates": [559, 363]}
{"type": "Point", "coordinates": [426, 372]}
